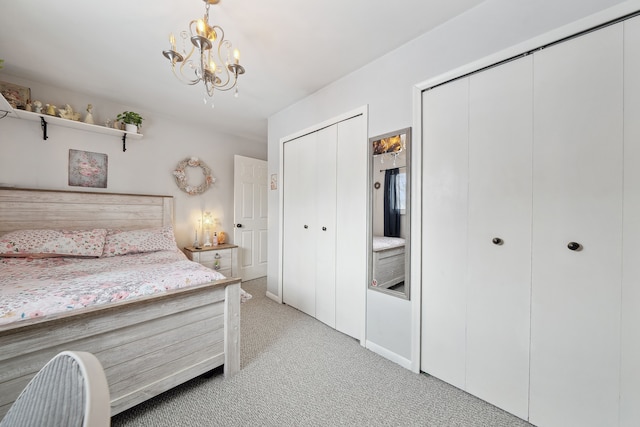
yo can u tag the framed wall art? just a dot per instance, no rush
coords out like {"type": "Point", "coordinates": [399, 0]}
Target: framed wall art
{"type": "Point", "coordinates": [87, 169]}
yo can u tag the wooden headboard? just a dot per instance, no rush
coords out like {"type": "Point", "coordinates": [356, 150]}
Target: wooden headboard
{"type": "Point", "coordinates": [22, 209]}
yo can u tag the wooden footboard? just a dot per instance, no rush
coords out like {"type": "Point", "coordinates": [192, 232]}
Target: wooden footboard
{"type": "Point", "coordinates": [146, 346]}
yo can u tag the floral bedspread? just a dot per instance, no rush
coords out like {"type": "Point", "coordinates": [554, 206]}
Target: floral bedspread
{"type": "Point", "coordinates": [31, 288]}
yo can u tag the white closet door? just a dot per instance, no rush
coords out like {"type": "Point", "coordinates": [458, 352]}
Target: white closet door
{"type": "Point", "coordinates": [351, 227]}
{"type": "Point", "coordinates": [444, 230]}
{"type": "Point", "coordinates": [499, 274]}
{"type": "Point", "coordinates": [630, 358]}
{"type": "Point", "coordinates": [577, 197]}
{"type": "Point", "coordinates": [325, 226]}
{"type": "Point", "coordinates": [299, 210]}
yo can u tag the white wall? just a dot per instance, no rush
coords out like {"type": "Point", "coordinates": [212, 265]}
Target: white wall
{"type": "Point", "coordinates": [145, 168]}
{"type": "Point", "coordinates": [385, 85]}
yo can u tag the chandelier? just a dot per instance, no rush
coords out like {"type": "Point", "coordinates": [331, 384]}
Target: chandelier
{"type": "Point", "coordinates": [210, 59]}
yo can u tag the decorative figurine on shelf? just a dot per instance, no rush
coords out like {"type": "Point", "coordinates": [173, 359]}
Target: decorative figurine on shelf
{"type": "Point", "coordinates": [37, 106]}
{"type": "Point", "coordinates": [68, 113]}
{"type": "Point", "coordinates": [51, 109]}
{"type": "Point", "coordinates": [28, 107]}
{"type": "Point", "coordinates": [89, 117]}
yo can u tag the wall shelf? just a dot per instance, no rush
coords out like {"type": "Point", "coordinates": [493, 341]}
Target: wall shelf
{"type": "Point", "coordinates": [46, 120]}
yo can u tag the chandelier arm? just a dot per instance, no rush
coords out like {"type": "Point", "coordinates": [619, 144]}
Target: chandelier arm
{"type": "Point", "coordinates": [225, 89]}
{"type": "Point", "coordinates": [226, 44]}
{"type": "Point", "coordinates": [187, 82]}
{"type": "Point", "coordinates": [183, 76]}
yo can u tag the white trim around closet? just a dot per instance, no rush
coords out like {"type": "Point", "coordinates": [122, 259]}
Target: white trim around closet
{"type": "Point", "coordinates": [566, 31]}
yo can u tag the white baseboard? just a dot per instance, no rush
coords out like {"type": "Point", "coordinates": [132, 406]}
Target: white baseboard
{"type": "Point", "coordinates": [405, 363]}
{"type": "Point", "coordinates": [274, 297]}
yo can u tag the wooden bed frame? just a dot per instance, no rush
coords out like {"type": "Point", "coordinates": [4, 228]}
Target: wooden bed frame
{"type": "Point", "coordinates": [146, 346]}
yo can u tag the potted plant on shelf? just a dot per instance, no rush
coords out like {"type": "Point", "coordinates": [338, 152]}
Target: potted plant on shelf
{"type": "Point", "coordinates": [132, 121]}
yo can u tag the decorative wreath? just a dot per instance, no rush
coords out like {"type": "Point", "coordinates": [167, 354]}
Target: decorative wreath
{"type": "Point", "coordinates": [181, 177]}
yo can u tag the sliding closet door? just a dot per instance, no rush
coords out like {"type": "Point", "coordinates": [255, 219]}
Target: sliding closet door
{"type": "Point", "coordinates": [630, 359]}
{"type": "Point", "coordinates": [351, 226]}
{"type": "Point", "coordinates": [577, 187]}
{"type": "Point", "coordinates": [444, 230]}
{"type": "Point", "coordinates": [325, 227]}
{"type": "Point", "coordinates": [499, 254]}
{"type": "Point", "coordinates": [300, 223]}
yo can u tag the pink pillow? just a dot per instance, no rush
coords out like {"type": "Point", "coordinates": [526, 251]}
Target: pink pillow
{"type": "Point", "coordinates": [119, 242]}
{"type": "Point", "coordinates": [52, 243]}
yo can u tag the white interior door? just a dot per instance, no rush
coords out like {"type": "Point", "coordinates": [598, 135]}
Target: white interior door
{"type": "Point", "coordinates": [250, 216]}
{"type": "Point", "coordinates": [577, 197]}
{"type": "Point", "coordinates": [299, 225]}
{"type": "Point", "coordinates": [325, 226]}
{"type": "Point", "coordinates": [499, 274]}
{"type": "Point", "coordinates": [630, 358]}
{"type": "Point", "coordinates": [445, 142]}
{"type": "Point", "coordinates": [351, 227]}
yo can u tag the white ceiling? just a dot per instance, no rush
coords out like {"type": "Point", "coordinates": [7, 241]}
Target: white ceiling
{"type": "Point", "coordinates": [290, 49]}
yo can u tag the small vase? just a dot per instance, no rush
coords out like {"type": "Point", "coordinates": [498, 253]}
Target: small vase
{"type": "Point", "coordinates": [130, 128]}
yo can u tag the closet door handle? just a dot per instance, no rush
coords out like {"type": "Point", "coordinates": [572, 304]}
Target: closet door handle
{"type": "Point", "coordinates": [238, 225]}
{"type": "Point", "coordinates": [324, 228]}
{"type": "Point", "coordinates": [497, 241]}
{"type": "Point", "coordinates": [306, 226]}
{"type": "Point", "coordinates": [574, 246]}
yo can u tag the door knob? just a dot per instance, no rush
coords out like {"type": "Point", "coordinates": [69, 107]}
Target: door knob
{"type": "Point", "coordinates": [239, 225]}
{"type": "Point", "coordinates": [574, 246]}
{"type": "Point", "coordinates": [497, 241]}
{"type": "Point", "coordinates": [324, 228]}
{"type": "Point", "coordinates": [306, 226]}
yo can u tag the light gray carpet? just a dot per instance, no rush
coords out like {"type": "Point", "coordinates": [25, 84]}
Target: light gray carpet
{"type": "Point", "coordinates": [296, 371]}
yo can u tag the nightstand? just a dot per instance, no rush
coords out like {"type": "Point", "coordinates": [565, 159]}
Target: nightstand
{"type": "Point", "coordinates": [222, 258]}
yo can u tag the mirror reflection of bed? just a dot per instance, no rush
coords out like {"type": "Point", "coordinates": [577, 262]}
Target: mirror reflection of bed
{"type": "Point", "coordinates": [390, 212]}
{"type": "Point", "coordinates": [388, 262]}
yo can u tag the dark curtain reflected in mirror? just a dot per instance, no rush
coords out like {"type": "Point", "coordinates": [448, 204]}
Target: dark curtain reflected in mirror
{"type": "Point", "coordinates": [390, 213]}
{"type": "Point", "coordinates": [391, 203]}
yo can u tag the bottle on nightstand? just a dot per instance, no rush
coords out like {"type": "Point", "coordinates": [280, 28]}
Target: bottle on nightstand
{"type": "Point", "coordinates": [215, 238]}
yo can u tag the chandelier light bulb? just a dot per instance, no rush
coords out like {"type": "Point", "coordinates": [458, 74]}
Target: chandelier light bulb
{"type": "Point", "coordinates": [200, 27]}
{"type": "Point", "coordinates": [172, 40]}
{"type": "Point", "coordinates": [236, 56]}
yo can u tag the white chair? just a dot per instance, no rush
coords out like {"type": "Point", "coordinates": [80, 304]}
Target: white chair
{"type": "Point", "coordinates": [70, 390]}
